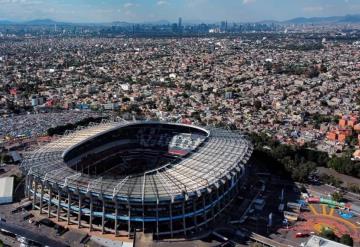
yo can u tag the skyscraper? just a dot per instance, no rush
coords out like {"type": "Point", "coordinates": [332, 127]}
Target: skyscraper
{"type": "Point", "coordinates": [223, 26]}
{"type": "Point", "coordinates": [179, 26]}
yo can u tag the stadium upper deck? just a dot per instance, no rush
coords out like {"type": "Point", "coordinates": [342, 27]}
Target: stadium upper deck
{"type": "Point", "coordinates": [220, 153]}
{"type": "Point", "coordinates": [198, 165]}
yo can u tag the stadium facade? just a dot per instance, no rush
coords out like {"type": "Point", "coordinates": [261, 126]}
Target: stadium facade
{"type": "Point", "coordinates": [163, 178]}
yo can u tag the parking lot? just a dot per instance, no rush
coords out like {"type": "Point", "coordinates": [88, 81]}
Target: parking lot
{"type": "Point", "coordinates": [321, 216]}
{"type": "Point", "coordinates": [25, 223]}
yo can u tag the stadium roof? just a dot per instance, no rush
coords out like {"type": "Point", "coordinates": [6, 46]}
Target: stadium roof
{"type": "Point", "coordinates": [212, 163]}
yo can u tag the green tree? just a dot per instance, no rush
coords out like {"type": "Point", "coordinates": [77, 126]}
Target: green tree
{"type": "Point", "coordinates": [281, 151]}
{"type": "Point", "coordinates": [337, 196]}
{"type": "Point", "coordinates": [5, 158]}
{"type": "Point", "coordinates": [323, 68]}
{"type": "Point", "coordinates": [330, 180]}
{"type": "Point", "coordinates": [347, 239]}
{"type": "Point", "coordinates": [125, 99]}
{"type": "Point", "coordinates": [302, 171]}
{"type": "Point", "coordinates": [345, 165]}
{"type": "Point", "coordinates": [312, 72]}
{"type": "Point", "coordinates": [257, 104]}
{"type": "Point", "coordinates": [336, 163]}
{"type": "Point", "coordinates": [187, 86]}
{"type": "Point", "coordinates": [354, 188]}
{"type": "Point", "coordinates": [328, 233]}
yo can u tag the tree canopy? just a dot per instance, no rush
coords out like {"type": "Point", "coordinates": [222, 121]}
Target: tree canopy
{"type": "Point", "coordinates": [347, 239]}
{"type": "Point", "coordinates": [298, 162]}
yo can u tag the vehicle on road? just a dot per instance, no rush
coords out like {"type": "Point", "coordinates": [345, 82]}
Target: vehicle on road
{"type": "Point", "coordinates": [301, 235]}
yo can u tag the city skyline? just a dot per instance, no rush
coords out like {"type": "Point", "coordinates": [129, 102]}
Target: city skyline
{"type": "Point", "coordinates": [190, 11]}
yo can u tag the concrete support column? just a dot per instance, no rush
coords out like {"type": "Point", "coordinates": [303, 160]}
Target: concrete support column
{"type": "Point", "coordinates": [184, 220]}
{"type": "Point", "coordinates": [79, 215]}
{"type": "Point", "coordinates": [69, 204]}
{"type": "Point", "coordinates": [34, 193]}
{"type": "Point", "coordinates": [116, 218]}
{"type": "Point", "coordinates": [143, 215]}
{"type": "Point", "coordinates": [218, 203]}
{"type": "Point", "coordinates": [49, 202]}
{"type": "Point", "coordinates": [103, 217]}
{"type": "Point", "coordinates": [221, 200]}
{"type": "Point", "coordinates": [229, 195]}
{"type": "Point", "coordinates": [157, 218]}
{"type": "Point", "coordinates": [26, 189]}
{"type": "Point", "coordinates": [237, 183]}
{"type": "Point", "coordinates": [29, 187]}
{"type": "Point", "coordinates": [58, 206]}
{"type": "Point", "coordinates": [194, 217]}
{"type": "Point", "coordinates": [212, 208]}
{"type": "Point", "coordinates": [91, 213]}
{"type": "Point", "coordinates": [204, 208]}
{"type": "Point", "coordinates": [225, 196]}
{"type": "Point", "coordinates": [171, 219]}
{"type": "Point", "coordinates": [41, 197]}
{"type": "Point", "coordinates": [129, 222]}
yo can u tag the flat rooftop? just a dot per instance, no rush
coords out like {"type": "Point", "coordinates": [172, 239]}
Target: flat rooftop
{"type": "Point", "coordinates": [6, 187]}
{"type": "Point", "coordinates": [316, 241]}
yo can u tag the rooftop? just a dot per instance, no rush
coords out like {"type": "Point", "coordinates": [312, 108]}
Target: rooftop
{"type": "Point", "coordinates": [316, 241]}
{"type": "Point", "coordinates": [6, 187]}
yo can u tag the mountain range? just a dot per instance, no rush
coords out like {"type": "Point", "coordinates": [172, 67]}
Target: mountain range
{"type": "Point", "coordinates": [298, 21]}
{"type": "Point", "coordinates": [326, 20]}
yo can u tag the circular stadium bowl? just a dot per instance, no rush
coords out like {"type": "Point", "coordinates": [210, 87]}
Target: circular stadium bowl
{"type": "Point", "coordinates": [168, 179]}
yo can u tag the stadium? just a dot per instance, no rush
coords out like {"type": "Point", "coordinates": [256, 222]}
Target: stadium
{"type": "Point", "coordinates": [168, 179]}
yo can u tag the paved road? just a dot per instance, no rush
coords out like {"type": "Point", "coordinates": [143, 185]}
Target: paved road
{"type": "Point", "coordinates": [268, 241]}
{"type": "Point", "coordinates": [30, 235]}
{"type": "Point", "coordinates": [326, 190]}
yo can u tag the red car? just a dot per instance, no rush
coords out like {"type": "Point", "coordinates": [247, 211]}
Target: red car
{"type": "Point", "coordinates": [301, 235]}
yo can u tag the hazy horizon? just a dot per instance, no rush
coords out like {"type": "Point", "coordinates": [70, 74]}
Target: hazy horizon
{"type": "Point", "coordinates": [85, 11]}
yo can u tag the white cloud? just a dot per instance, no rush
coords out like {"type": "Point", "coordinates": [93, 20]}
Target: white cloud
{"type": "Point", "coordinates": [27, 2]}
{"type": "Point", "coordinates": [130, 5]}
{"type": "Point", "coordinates": [162, 2]}
{"type": "Point", "coordinates": [248, 1]}
{"type": "Point", "coordinates": [313, 9]}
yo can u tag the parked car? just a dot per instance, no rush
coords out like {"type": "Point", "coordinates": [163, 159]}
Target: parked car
{"type": "Point", "coordinates": [301, 235]}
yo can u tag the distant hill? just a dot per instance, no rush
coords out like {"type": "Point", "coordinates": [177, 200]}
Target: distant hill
{"type": "Point", "coordinates": [40, 22]}
{"type": "Point", "coordinates": [351, 18]}
{"type": "Point", "coordinates": [44, 22]}
{"type": "Point", "coordinates": [325, 20]}
{"type": "Point", "coordinates": [298, 20]}
{"type": "Point", "coordinates": [5, 22]}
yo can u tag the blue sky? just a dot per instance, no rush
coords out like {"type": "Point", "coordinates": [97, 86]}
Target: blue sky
{"type": "Point", "coordinates": [153, 10]}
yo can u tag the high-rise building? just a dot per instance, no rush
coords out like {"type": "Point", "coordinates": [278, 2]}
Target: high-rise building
{"type": "Point", "coordinates": [180, 28]}
{"type": "Point", "coordinates": [223, 26]}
